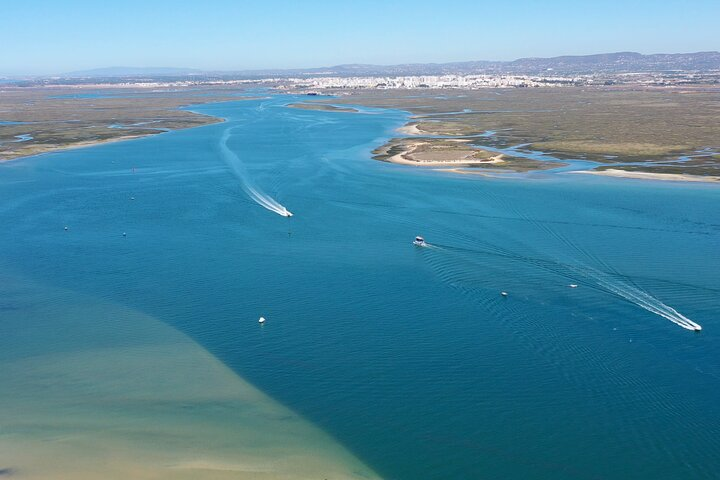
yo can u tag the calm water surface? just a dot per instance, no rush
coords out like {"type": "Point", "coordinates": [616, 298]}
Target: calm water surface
{"type": "Point", "coordinates": [410, 357]}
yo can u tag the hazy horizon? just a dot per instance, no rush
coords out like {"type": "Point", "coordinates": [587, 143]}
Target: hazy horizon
{"type": "Point", "coordinates": [309, 67]}
{"type": "Point", "coordinates": [52, 38]}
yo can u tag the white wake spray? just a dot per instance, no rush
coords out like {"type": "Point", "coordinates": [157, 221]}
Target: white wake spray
{"type": "Point", "coordinates": [260, 197]}
{"type": "Point", "coordinates": [613, 285]}
{"type": "Point", "coordinates": [642, 299]}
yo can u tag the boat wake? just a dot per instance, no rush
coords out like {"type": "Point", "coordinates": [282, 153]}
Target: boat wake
{"type": "Point", "coordinates": [610, 280]}
{"type": "Point", "coordinates": [252, 191]}
{"type": "Point", "coordinates": [642, 299]}
{"type": "Point", "coordinates": [458, 261]}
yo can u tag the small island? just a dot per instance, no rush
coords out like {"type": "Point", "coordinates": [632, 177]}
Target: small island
{"type": "Point", "coordinates": [459, 153]}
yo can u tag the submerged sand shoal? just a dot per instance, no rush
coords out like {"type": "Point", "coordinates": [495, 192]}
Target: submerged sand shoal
{"type": "Point", "coordinates": [94, 390]}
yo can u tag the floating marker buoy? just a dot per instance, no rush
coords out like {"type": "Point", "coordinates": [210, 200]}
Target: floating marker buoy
{"type": "Point", "coordinates": [124, 234]}
{"type": "Point", "coordinates": [66, 228]}
{"type": "Point", "coordinates": [504, 294]}
{"type": "Point", "coordinates": [132, 198]}
{"type": "Point", "coordinates": [261, 320]}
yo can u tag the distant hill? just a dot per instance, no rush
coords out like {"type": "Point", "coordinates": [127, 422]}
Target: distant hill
{"type": "Point", "coordinates": [604, 63]}
{"type": "Point", "coordinates": [621, 62]}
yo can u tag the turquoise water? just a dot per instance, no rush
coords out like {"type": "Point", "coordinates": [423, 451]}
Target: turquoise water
{"type": "Point", "coordinates": [407, 356]}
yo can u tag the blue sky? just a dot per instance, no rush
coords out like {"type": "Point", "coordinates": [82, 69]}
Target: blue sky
{"type": "Point", "coordinates": [60, 36]}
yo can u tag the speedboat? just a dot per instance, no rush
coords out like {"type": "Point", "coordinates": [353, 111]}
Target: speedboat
{"type": "Point", "coordinates": [286, 213]}
{"type": "Point", "coordinates": [419, 241]}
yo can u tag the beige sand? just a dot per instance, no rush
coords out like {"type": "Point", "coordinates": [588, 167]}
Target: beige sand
{"type": "Point", "coordinates": [409, 157]}
{"type": "Point", "coordinates": [410, 129]}
{"type": "Point", "coordinates": [673, 177]}
{"type": "Point", "coordinates": [100, 391]}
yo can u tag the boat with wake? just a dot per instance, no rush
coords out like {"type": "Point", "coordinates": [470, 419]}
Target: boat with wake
{"type": "Point", "coordinates": [419, 242]}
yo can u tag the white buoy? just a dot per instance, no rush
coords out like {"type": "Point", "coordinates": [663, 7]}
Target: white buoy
{"type": "Point", "coordinates": [132, 198]}
{"type": "Point", "coordinates": [66, 227]}
{"type": "Point", "coordinates": [261, 320]}
{"type": "Point", "coordinates": [124, 234]}
{"type": "Point", "coordinates": [572, 285]}
{"type": "Point", "coordinates": [504, 294]}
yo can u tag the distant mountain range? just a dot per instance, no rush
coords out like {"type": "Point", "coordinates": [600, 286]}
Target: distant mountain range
{"type": "Point", "coordinates": [621, 62]}
{"type": "Point", "coordinates": [605, 63]}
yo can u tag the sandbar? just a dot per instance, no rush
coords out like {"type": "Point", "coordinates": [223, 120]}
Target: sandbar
{"type": "Point", "coordinates": [672, 177]}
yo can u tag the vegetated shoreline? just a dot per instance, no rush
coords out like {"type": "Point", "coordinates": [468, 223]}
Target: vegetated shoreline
{"type": "Point", "coordinates": [418, 148]}
{"type": "Point", "coordinates": [42, 149]}
{"type": "Point", "coordinates": [57, 119]}
{"type": "Point", "coordinates": [673, 130]}
{"type": "Point", "coordinates": [412, 129]}
{"type": "Point", "coordinates": [103, 141]}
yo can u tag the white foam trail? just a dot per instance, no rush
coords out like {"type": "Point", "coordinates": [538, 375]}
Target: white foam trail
{"type": "Point", "coordinates": [644, 300]}
{"type": "Point", "coordinates": [260, 197]}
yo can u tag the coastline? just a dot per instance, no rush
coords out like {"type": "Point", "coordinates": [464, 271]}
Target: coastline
{"type": "Point", "coordinates": [411, 129]}
{"type": "Point", "coordinates": [429, 152]}
{"type": "Point", "coordinates": [465, 157]}
{"type": "Point", "coordinates": [78, 145]}
{"type": "Point", "coordinates": [63, 119]}
{"type": "Point", "coordinates": [668, 177]}
{"type": "Point", "coordinates": [104, 141]}
{"type": "Point", "coordinates": [584, 128]}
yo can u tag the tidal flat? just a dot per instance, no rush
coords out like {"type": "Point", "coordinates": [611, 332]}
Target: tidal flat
{"type": "Point", "coordinates": [645, 127]}
{"type": "Point", "coordinates": [57, 118]}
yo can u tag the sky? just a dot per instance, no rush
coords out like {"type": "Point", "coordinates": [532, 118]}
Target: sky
{"type": "Point", "coordinates": [56, 36]}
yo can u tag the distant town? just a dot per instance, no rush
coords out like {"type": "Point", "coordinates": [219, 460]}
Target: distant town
{"type": "Point", "coordinates": [317, 84]}
{"type": "Point", "coordinates": [624, 68]}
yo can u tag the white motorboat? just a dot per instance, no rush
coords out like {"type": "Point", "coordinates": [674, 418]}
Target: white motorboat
{"type": "Point", "coordinates": [419, 241]}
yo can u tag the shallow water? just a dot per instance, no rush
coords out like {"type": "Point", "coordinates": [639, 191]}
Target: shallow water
{"type": "Point", "coordinates": [408, 356]}
{"type": "Point", "coordinates": [92, 389]}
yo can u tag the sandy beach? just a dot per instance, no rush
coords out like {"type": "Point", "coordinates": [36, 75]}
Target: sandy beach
{"type": "Point", "coordinates": [424, 153]}
{"type": "Point", "coordinates": [410, 129]}
{"type": "Point", "coordinates": [672, 177]}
